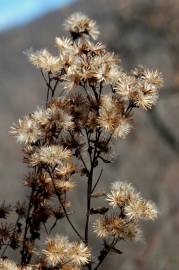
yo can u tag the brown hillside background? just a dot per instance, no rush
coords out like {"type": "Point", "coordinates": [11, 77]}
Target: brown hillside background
{"type": "Point", "coordinates": [143, 32]}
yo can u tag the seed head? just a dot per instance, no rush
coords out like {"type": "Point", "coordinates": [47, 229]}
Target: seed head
{"type": "Point", "coordinates": [79, 25]}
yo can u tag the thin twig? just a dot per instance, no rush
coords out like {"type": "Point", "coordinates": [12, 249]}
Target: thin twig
{"type": "Point", "coordinates": [97, 181]}
{"type": "Point", "coordinates": [107, 249]}
{"type": "Point", "coordinates": [45, 228]}
{"type": "Point", "coordinates": [53, 226]}
{"type": "Point", "coordinates": [26, 228]}
{"type": "Point", "coordinates": [64, 209]}
{"type": "Point", "coordinates": [90, 181]}
{"type": "Point", "coordinates": [9, 242]}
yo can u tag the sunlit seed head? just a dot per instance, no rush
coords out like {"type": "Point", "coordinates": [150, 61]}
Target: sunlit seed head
{"type": "Point", "coordinates": [44, 60]}
{"type": "Point", "coordinates": [55, 250]}
{"type": "Point", "coordinates": [7, 265]}
{"type": "Point", "coordinates": [141, 209]}
{"type": "Point", "coordinates": [41, 116]}
{"type": "Point", "coordinates": [153, 77]}
{"type": "Point", "coordinates": [61, 118]}
{"type": "Point", "coordinates": [72, 79]}
{"type": "Point", "coordinates": [64, 186]}
{"type": "Point", "coordinates": [59, 250]}
{"type": "Point", "coordinates": [80, 25]}
{"type": "Point", "coordinates": [147, 99]}
{"type": "Point", "coordinates": [79, 253]}
{"type": "Point", "coordinates": [116, 227]}
{"type": "Point", "coordinates": [66, 169]}
{"type": "Point", "coordinates": [121, 192]}
{"type": "Point", "coordinates": [63, 44]}
{"type": "Point", "coordinates": [26, 131]}
{"type": "Point", "coordinates": [123, 129]}
{"type": "Point", "coordinates": [52, 155]}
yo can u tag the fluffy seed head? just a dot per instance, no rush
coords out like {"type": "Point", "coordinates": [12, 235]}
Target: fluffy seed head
{"type": "Point", "coordinates": [80, 25]}
{"type": "Point", "coordinates": [55, 250]}
{"type": "Point", "coordinates": [117, 227]}
{"type": "Point", "coordinates": [141, 209]}
{"type": "Point", "coordinates": [26, 131]}
{"type": "Point", "coordinates": [123, 129]}
{"type": "Point", "coordinates": [52, 155]}
{"type": "Point", "coordinates": [63, 44]}
{"type": "Point", "coordinates": [121, 193]}
{"type": "Point", "coordinates": [59, 250]}
{"type": "Point", "coordinates": [66, 169]}
{"type": "Point", "coordinates": [80, 253]}
{"type": "Point", "coordinates": [44, 60]}
{"type": "Point", "coordinates": [7, 265]}
{"type": "Point", "coordinates": [64, 186]}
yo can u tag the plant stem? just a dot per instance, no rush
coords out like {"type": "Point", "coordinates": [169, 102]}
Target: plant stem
{"type": "Point", "coordinates": [23, 252]}
{"type": "Point", "coordinates": [64, 209]}
{"type": "Point", "coordinates": [90, 182]}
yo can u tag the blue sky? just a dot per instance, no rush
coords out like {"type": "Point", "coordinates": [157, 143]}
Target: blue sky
{"type": "Point", "coordinates": [17, 12]}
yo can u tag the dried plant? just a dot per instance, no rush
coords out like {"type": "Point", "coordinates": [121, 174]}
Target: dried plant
{"type": "Point", "coordinates": [90, 102]}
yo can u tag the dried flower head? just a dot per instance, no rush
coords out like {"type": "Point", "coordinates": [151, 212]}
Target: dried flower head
{"type": "Point", "coordinates": [66, 169]}
{"type": "Point", "coordinates": [141, 209]}
{"type": "Point", "coordinates": [63, 44]}
{"type": "Point", "coordinates": [72, 79]}
{"type": "Point", "coordinates": [117, 227]}
{"type": "Point", "coordinates": [7, 265]}
{"type": "Point", "coordinates": [44, 60]}
{"type": "Point", "coordinates": [52, 155]}
{"type": "Point", "coordinates": [26, 131]}
{"type": "Point", "coordinates": [55, 250]}
{"type": "Point", "coordinates": [64, 186]}
{"type": "Point", "coordinates": [79, 25]}
{"type": "Point", "coordinates": [135, 207]}
{"type": "Point", "coordinates": [79, 253]}
{"type": "Point", "coordinates": [123, 128]}
{"type": "Point", "coordinates": [112, 118]}
{"type": "Point", "coordinates": [59, 250]}
{"type": "Point", "coordinates": [41, 116]}
{"type": "Point", "coordinates": [60, 118]}
{"type": "Point", "coordinates": [121, 193]}
{"type": "Point", "coordinates": [153, 77]}
{"type": "Point", "coordinates": [140, 87]}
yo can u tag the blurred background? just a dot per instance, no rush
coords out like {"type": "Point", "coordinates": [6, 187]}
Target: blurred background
{"type": "Point", "coordinates": [142, 32]}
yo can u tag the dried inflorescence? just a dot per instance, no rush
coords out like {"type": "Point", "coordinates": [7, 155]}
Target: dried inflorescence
{"type": "Point", "coordinates": [130, 208]}
{"type": "Point", "coordinates": [90, 100]}
{"type": "Point", "coordinates": [79, 25]}
{"type": "Point", "coordinates": [59, 250]}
